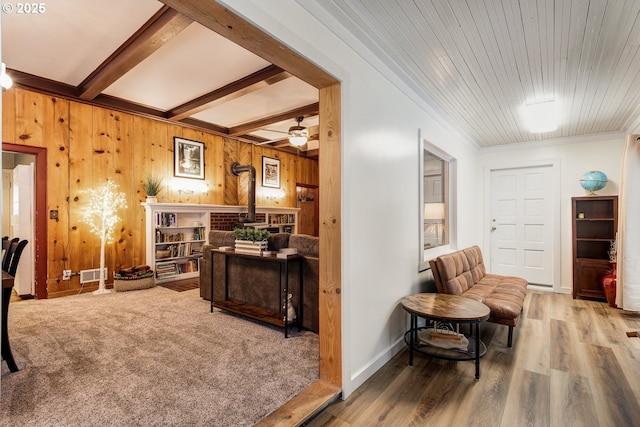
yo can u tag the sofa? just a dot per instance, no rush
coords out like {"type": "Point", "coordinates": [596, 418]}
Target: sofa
{"type": "Point", "coordinates": [256, 282]}
{"type": "Point", "coordinates": [463, 273]}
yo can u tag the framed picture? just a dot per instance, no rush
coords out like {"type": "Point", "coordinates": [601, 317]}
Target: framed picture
{"type": "Point", "coordinates": [188, 158]}
{"type": "Point", "coordinates": [270, 172]}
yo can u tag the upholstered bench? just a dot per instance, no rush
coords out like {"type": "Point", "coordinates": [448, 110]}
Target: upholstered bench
{"type": "Point", "coordinates": [463, 273]}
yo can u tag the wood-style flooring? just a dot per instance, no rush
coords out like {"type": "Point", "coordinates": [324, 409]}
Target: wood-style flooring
{"type": "Point", "coordinates": [572, 364]}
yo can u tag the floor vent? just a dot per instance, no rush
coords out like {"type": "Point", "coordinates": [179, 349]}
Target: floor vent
{"type": "Point", "coordinates": [87, 276]}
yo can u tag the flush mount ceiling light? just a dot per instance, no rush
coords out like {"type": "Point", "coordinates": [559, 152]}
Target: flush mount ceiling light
{"type": "Point", "coordinates": [5, 80]}
{"type": "Point", "coordinates": [298, 135]}
{"type": "Point", "coordinates": [541, 117]}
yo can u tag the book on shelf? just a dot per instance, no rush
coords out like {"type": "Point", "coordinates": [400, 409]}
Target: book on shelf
{"type": "Point", "coordinates": [189, 266]}
{"type": "Point", "coordinates": [199, 233]}
{"type": "Point", "coordinates": [166, 219]}
{"type": "Point", "coordinates": [166, 269]}
{"type": "Point", "coordinates": [282, 219]}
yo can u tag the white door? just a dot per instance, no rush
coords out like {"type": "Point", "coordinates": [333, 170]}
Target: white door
{"type": "Point", "coordinates": [7, 178]}
{"type": "Point", "coordinates": [522, 227]}
{"type": "Point", "coordinates": [23, 226]}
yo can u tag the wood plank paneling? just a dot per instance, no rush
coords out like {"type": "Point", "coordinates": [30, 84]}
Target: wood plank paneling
{"type": "Point", "coordinates": [231, 196]}
{"type": "Point", "coordinates": [57, 136]}
{"type": "Point", "coordinates": [30, 118]}
{"type": "Point", "coordinates": [9, 116]}
{"type": "Point", "coordinates": [88, 144]}
{"type": "Point", "coordinates": [307, 171]}
{"type": "Point", "coordinates": [80, 241]}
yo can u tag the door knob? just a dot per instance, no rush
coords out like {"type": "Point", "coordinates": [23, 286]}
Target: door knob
{"type": "Point", "coordinates": [493, 228]}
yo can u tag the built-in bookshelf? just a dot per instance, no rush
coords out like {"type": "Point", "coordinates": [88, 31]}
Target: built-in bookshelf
{"type": "Point", "coordinates": [285, 222]}
{"type": "Point", "coordinates": [176, 233]}
{"type": "Point", "coordinates": [176, 236]}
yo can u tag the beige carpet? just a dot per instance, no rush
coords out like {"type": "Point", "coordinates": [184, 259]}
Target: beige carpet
{"type": "Point", "coordinates": [152, 357]}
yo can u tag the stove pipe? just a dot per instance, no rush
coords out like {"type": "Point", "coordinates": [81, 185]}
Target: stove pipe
{"type": "Point", "coordinates": [237, 169]}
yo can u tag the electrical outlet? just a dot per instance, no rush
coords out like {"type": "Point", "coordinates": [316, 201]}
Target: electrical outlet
{"type": "Point", "coordinates": [66, 274]}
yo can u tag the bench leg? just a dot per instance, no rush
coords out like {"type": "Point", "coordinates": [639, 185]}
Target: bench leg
{"type": "Point", "coordinates": [510, 339]}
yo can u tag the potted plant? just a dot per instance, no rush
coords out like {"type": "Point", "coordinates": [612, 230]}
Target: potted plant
{"type": "Point", "coordinates": [152, 186]}
{"type": "Point", "coordinates": [251, 240]}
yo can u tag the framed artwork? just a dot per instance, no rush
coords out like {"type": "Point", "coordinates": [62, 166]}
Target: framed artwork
{"type": "Point", "coordinates": [188, 158]}
{"type": "Point", "coordinates": [270, 172]}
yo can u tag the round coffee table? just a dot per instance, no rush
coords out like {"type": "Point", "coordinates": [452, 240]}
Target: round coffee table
{"type": "Point", "coordinates": [447, 309]}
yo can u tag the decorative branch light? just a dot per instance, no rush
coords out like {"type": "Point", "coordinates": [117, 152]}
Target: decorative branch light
{"type": "Point", "coordinates": [101, 216]}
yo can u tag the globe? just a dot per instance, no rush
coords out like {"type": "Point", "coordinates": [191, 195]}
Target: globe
{"type": "Point", "coordinates": [593, 181]}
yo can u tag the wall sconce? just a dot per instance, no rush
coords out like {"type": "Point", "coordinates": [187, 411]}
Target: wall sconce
{"type": "Point", "coordinates": [188, 186]}
{"type": "Point", "coordinates": [273, 193]}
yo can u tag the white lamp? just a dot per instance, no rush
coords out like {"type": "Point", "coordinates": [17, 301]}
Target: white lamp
{"type": "Point", "coordinates": [298, 135]}
{"type": "Point", "coordinates": [434, 211]}
{"type": "Point", "coordinates": [5, 81]}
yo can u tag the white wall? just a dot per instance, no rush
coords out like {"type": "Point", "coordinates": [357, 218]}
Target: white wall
{"type": "Point", "coordinates": [576, 156]}
{"type": "Point", "coordinates": [379, 184]}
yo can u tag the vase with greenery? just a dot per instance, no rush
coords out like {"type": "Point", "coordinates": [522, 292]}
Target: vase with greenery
{"type": "Point", "coordinates": [152, 186]}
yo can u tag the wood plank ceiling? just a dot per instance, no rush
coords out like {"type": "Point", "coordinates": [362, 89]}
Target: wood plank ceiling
{"type": "Point", "coordinates": [149, 59]}
{"type": "Point", "coordinates": [478, 62]}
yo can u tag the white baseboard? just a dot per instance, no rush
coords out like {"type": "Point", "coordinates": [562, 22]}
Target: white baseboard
{"type": "Point", "coordinates": [378, 362]}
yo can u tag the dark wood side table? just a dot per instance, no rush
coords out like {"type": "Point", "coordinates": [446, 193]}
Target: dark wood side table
{"type": "Point", "coordinates": [450, 309]}
{"type": "Point", "coordinates": [257, 313]}
{"type": "Point", "coordinates": [7, 287]}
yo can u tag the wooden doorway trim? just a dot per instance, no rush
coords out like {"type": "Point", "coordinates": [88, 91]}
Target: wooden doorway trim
{"type": "Point", "coordinates": [221, 20]}
{"type": "Point", "coordinates": [40, 215]}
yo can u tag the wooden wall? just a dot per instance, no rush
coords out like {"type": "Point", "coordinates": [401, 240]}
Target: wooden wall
{"type": "Point", "coordinates": [86, 145]}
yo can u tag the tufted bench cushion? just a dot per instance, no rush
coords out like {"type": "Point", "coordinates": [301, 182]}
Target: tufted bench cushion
{"type": "Point", "coordinates": [463, 273]}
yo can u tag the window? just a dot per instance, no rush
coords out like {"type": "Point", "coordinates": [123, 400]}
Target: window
{"type": "Point", "coordinates": [437, 204]}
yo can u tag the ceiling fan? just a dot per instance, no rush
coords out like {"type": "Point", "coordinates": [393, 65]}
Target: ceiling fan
{"type": "Point", "coordinates": [298, 135]}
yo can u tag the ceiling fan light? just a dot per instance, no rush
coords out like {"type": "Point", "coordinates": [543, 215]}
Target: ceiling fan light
{"type": "Point", "coordinates": [298, 135]}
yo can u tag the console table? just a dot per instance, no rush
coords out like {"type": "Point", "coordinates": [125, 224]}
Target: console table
{"type": "Point", "coordinates": [446, 308]}
{"type": "Point", "coordinates": [280, 318]}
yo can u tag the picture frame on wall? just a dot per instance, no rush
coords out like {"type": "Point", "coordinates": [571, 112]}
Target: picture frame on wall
{"type": "Point", "coordinates": [188, 158]}
{"type": "Point", "coordinates": [270, 172]}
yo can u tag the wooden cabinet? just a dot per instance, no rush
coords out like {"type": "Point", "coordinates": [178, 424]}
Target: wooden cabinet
{"type": "Point", "coordinates": [175, 237]}
{"type": "Point", "coordinates": [595, 223]}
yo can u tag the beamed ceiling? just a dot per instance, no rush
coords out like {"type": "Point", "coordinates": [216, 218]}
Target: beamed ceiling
{"type": "Point", "coordinates": [152, 60]}
{"type": "Point", "coordinates": [475, 63]}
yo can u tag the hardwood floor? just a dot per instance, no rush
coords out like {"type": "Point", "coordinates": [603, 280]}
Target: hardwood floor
{"type": "Point", "coordinates": [571, 365]}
